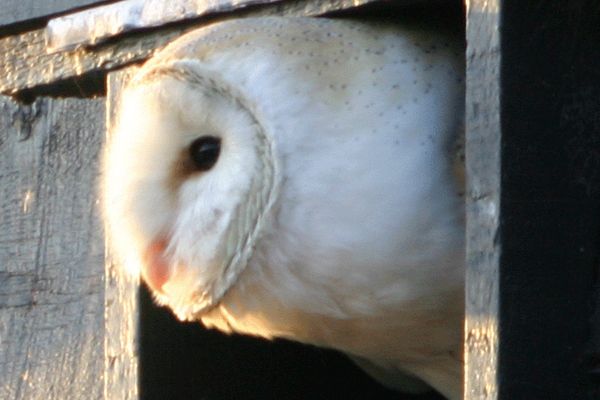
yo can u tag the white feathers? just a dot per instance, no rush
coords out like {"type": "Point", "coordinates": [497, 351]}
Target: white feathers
{"type": "Point", "coordinates": [331, 215]}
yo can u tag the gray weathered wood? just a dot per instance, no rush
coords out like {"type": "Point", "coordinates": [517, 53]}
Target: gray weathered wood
{"type": "Point", "coordinates": [483, 198]}
{"type": "Point", "coordinates": [23, 10]}
{"type": "Point", "coordinates": [96, 24]}
{"type": "Point", "coordinates": [26, 64]}
{"type": "Point", "coordinates": [51, 250]}
{"type": "Point", "coordinates": [122, 313]}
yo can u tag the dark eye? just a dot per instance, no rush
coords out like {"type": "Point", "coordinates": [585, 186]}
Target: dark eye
{"type": "Point", "coordinates": [204, 152]}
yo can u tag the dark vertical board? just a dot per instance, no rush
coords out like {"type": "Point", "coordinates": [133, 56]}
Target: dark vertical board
{"type": "Point", "coordinates": [550, 205]}
{"type": "Point", "coordinates": [51, 250]}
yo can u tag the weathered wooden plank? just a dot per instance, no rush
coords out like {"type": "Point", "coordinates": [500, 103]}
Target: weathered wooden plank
{"type": "Point", "coordinates": [122, 308]}
{"type": "Point", "coordinates": [483, 198]}
{"type": "Point", "coordinates": [94, 25]}
{"type": "Point", "coordinates": [23, 10]}
{"type": "Point", "coordinates": [26, 64]}
{"type": "Point", "coordinates": [51, 250]}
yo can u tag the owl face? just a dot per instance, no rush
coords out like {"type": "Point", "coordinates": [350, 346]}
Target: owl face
{"type": "Point", "coordinates": [188, 178]}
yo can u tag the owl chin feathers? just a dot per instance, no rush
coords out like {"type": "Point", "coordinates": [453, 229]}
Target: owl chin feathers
{"type": "Point", "coordinates": [294, 178]}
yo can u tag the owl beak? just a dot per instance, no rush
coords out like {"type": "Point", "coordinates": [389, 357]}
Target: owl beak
{"type": "Point", "coordinates": [156, 270]}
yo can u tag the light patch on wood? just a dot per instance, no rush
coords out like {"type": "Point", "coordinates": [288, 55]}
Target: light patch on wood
{"type": "Point", "coordinates": [23, 10]}
{"type": "Point", "coordinates": [28, 200]}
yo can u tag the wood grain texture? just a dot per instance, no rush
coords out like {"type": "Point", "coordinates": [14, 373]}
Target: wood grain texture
{"type": "Point", "coordinates": [23, 10]}
{"type": "Point", "coordinates": [122, 308]}
{"type": "Point", "coordinates": [51, 250]}
{"type": "Point", "coordinates": [483, 199]}
{"type": "Point", "coordinates": [96, 24]}
{"type": "Point", "coordinates": [26, 64]}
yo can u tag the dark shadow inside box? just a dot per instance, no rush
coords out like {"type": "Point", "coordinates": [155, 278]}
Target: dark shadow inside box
{"type": "Point", "coordinates": [180, 361]}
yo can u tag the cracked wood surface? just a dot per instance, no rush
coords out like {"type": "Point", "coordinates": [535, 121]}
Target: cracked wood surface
{"type": "Point", "coordinates": [483, 200]}
{"type": "Point", "coordinates": [51, 250]}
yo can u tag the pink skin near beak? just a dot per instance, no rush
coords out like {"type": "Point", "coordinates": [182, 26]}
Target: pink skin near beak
{"type": "Point", "coordinates": [156, 270]}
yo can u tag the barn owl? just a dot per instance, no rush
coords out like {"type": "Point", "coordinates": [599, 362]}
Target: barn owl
{"type": "Point", "coordinates": [297, 178]}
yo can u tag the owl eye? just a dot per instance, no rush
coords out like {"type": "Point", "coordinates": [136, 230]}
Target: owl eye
{"type": "Point", "coordinates": [204, 152]}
